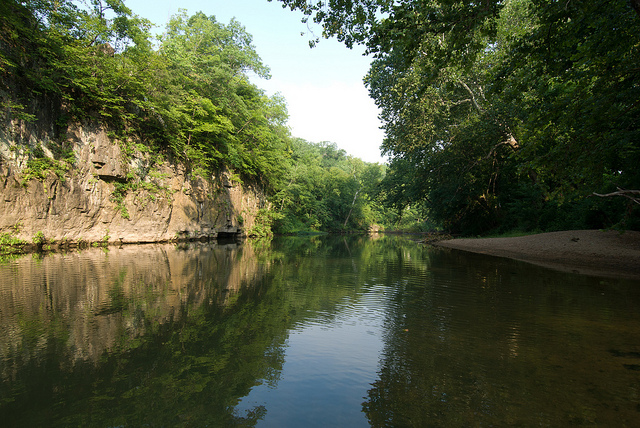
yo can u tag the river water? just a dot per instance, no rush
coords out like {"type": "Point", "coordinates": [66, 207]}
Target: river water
{"type": "Point", "coordinates": [313, 331]}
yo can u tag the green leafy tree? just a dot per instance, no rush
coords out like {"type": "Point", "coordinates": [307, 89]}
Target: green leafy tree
{"type": "Point", "coordinates": [326, 190]}
{"type": "Point", "coordinates": [502, 114]}
{"type": "Point", "coordinates": [209, 112]}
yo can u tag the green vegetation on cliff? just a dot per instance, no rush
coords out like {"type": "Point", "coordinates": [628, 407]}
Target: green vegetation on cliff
{"type": "Point", "coordinates": [189, 97]}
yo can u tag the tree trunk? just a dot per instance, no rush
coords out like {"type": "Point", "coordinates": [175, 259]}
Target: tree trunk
{"type": "Point", "coordinates": [351, 209]}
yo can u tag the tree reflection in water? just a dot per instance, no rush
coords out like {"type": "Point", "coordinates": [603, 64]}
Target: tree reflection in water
{"type": "Point", "coordinates": [136, 336]}
{"type": "Point", "coordinates": [483, 341]}
{"type": "Point", "coordinates": [178, 336]}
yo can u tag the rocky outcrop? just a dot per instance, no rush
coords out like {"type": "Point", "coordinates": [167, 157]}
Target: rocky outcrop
{"type": "Point", "coordinates": [114, 195]}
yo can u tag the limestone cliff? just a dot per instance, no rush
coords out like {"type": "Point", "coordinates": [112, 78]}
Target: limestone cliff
{"type": "Point", "coordinates": [112, 192]}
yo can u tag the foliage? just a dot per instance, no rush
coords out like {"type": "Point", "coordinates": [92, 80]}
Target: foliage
{"type": "Point", "coordinates": [263, 223]}
{"type": "Point", "coordinates": [209, 113]}
{"type": "Point", "coordinates": [9, 243]}
{"type": "Point", "coordinates": [148, 189]}
{"type": "Point", "coordinates": [39, 165]}
{"type": "Point", "coordinates": [189, 98]}
{"type": "Point", "coordinates": [502, 114]}
{"type": "Point", "coordinates": [39, 238]}
{"type": "Point", "coordinates": [326, 190]}
{"type": "Point", "coordinates": [118, 195]}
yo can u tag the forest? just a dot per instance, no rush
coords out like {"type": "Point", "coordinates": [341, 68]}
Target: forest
{"type": "Point", "coordinates": [499, 115]}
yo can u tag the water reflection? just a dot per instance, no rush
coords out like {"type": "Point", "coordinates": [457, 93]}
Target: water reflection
{"type": "Point", "coordinates": [134, 336]}
{"type": "Point", "coordinates": [330, 361]}
{"type": "Point", "coordinates": [482, 341]}
{"type": "Point", "coordinates": [98, 295]}
{"type": "Point", "coordinates": [330, 331]}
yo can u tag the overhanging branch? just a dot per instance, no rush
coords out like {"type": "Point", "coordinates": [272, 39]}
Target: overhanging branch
{"type": "Point", "coordinates": [629, 194]}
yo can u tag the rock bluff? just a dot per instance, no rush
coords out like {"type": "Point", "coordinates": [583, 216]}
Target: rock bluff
{"type": "Point", "coordinates": [113, 193]}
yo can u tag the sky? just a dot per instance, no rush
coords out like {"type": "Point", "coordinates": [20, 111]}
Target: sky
{"type": "Point", "coordinates": [326, 98]}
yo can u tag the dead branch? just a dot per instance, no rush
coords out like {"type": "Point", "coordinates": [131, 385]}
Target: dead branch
{"type": "Point", "coordinates": [622, 192]}
{"type": "Point", "coordinates": [473, 96]}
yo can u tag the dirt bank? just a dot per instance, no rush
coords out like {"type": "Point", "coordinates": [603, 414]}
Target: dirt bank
{"type": "Point", "coordinates": [590, 252]}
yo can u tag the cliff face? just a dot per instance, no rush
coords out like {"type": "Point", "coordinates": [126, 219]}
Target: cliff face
{"type": "Point", "coordinates": [111, 194]}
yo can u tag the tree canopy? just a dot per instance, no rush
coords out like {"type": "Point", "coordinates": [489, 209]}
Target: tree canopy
{"type": "Point", "coordinates": [499, 114]}
{"type": "Point", "coordinates": [324, 189]}
{"type": "Point", "coordinates": [188, 94]}
{"type": "Point", "coordinates": [502, 114]}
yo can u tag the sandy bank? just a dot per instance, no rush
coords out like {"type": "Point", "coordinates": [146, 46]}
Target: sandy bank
{"type": "Point", "coordinates": [590, 252]}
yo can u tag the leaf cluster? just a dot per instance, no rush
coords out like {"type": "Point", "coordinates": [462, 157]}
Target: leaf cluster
{"type": "Point", "coordinates": [503, 114]}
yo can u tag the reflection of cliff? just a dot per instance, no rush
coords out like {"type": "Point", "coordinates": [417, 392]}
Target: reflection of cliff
{"type": "Point", "coordinates": [95, 300]}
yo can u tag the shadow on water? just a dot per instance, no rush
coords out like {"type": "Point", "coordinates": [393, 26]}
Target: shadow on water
{"type": "Point", "coordinates": [244, 335]}
{"type": "Point", "coordinates": [485, 341]}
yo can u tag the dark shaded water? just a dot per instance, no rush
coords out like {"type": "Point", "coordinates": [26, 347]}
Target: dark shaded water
{"type": "Point", "coordinates": [324, 331]}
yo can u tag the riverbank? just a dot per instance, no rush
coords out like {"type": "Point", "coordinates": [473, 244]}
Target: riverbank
{"type": "Point", "coordinates": [589, 252]}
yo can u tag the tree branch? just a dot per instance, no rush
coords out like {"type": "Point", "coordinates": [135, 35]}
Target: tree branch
{"type": "Point", "coordinates": [473, 97]}
{"type": "Point", "coordinates": [510, 141]}
{"type": "Point", "coordinates": [622, 192]}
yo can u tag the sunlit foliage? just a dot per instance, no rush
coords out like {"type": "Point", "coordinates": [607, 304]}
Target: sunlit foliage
{"type": "Point", "coordinates": [326, 190]}
{"type": "Point", "coordinates": [187, 95]}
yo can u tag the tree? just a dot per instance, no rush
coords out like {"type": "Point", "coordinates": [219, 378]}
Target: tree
{"type": "Point", "coordinates": [212, 115]}
{"type": "Point", "coordinates": [326, 190]}
{"type": "Point", "coordinates": [487, 103]}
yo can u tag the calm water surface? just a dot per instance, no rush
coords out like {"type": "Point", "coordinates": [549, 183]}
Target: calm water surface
{"type": "Point", "coordinates": [322, 331]}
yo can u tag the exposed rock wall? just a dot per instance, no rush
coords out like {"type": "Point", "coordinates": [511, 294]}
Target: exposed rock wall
{"type": "Point", "coordinates": [113, 196]}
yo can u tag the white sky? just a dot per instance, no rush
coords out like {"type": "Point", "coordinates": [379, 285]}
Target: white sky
{"type": "Point", "coordinates": [326, 98]}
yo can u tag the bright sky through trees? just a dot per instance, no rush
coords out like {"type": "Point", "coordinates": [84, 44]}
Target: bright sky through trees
{"type": "Point", "coordinates": [326, 98]}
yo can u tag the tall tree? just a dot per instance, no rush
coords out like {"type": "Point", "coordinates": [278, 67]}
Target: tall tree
{"type": "Point", "coordinates": [212, 115]}
{"type": "Point", "coordinates": [493, 103]}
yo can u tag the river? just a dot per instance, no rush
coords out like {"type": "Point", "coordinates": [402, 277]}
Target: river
{"type": "Point", "coordinates": [312, 331]}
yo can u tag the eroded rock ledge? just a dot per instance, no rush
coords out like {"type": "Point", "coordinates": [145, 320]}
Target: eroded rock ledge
{"type": "Point", "coordinates": [110, 196]}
